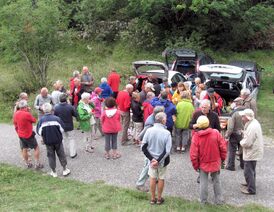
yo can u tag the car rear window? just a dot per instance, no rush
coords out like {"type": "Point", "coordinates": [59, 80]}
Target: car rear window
{"type": "Point", "coordinates": [216, 75]}
{"type": "Point", "coordinates": [186, 67]}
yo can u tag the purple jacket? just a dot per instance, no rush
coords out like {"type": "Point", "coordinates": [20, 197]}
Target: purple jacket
{"type": "Point", "coordinates": [97, 104]}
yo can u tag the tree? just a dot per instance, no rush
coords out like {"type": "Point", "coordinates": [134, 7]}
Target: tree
{"type": "Point", "coordinates": [31, 30]}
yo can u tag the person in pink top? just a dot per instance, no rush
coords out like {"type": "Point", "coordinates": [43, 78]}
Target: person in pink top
{"type": "Point", "coordinates": [114, 82]}
{"type": "Point", "coordinates": [111, 126]}
{"type": "Point", "coordinates": [97, 101]}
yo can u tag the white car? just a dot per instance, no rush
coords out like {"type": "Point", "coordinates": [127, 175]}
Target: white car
{"type": "Point", "coordinates": [228, 80]}
{"type": "Point", "coordinates": [145, 68]}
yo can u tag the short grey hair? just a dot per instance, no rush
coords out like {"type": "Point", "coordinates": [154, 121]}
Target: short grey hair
{"type": "Point", "coordinates": [163, 94]}
{"type": "Point", "coordinates": [22, 103]}
{"type": "Point", "coordinates": [150, 95]}
{"type": "Point", "coordinates": [160, 117]}
{"type": "Point", "coordinates": [245, 92]}
{"type": "Point", "coordinates": [205, 102]}
{"type": "Point", "coordinates": [158, 109]}
{"type": "Point", "coordinates": [75, 73]}
{"type": "Point", "coordinates": [129, 86]}
{"type": "Point", "coordinates": [23, 95]}
{"type": "Point", "coordinates": [103, 79]}
{"type": "Point", "coordinates": [47, 107]}
{"type": "Point", "coordinates": [85, 95]}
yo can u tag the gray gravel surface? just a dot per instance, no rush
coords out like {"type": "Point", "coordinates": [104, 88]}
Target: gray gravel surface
{"type": "Point", "coordinates": [180, 180]}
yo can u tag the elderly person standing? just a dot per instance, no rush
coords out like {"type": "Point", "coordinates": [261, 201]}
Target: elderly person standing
{"type": "Point", "coordinates": [207, 150]}
{"type": "Point", "coordinates": [114, 82]}
{"type": "Point", "coordinates": [85, 115]}
{"type": "Point", "coordinates": [23, 121]}
{"type": "Point", "coordinates": [249, 102]}
{"type": "Point", "coordinates": [184, 110]}
{"type": "Point", "coordinates": [66, 112]}
{"type": "Point", "coordinates": [147, 107]}
{"type": "Point", "coordinates": [86, 80]}
{"type": "Point", "coordinates": [205, 110]}
{"type": "Point", "coordinates": [56, 93]}
{"type": "Point", "coordinates": [156, 146]}
{"type": "Point", "coordinates": [106, 89]}
{"type": "Point", "coordinates": [123, 102]}
{"type": "Point", "coordinates": [137, 116]}
{"type": "Point", "coordinates": [50, 127]}
{"type": "Point", "coordinates": [41, 99]}
{"type": "Point", "coordinates": [75, 74]}
{"type": "Point", "coordinates": [22, 96]}
{"type": "Point", "coordinates": [148, 88]}
{"type": "Point", "coordinates": [234, 133]}
{"type": "Point", "coordinates": [253, 148]}
{"type": "Point", "coordinates": [216, 101]}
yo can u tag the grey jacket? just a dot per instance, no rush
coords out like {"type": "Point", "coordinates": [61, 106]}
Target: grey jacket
{"type": "Point", "coordinates": [39, 101]}
{"type": "Point", "coordinates": [250, 103]}
{"type": "Point", "coordinates": [235, 123]}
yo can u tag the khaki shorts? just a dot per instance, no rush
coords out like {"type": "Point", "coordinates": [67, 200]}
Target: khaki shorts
{"type": "Point", "coordinates": [158, 173]}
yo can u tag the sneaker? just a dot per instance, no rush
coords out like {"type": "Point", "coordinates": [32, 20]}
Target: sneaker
{"type": "Point", "coordinates": [29, 165]}
{"type": "Point", "coordinates": [244, 190]}
{"type": "Point", "coordinates": [230, 168]}
{"type": "Point", "coordinates": [183, 149]}
{"type": "Point", "coordinates": [53, 174]}
{"type": "Point", "coordinates": [142, 188]}
{"type": "Point", "coordinates": [178, 149]}
{"type": "Point", "coordinates": [66, 172]}
{"type": "Point", "coordinates": [39, 166]}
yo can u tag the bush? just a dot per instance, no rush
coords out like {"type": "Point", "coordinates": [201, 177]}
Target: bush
{"type": "Point", "coordinates": [141, 34]}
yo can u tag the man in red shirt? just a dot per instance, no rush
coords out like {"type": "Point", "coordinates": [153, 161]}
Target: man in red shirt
{"type": "Point", "coordinates": [123, 102]}
{"type": "Point", "coordinates": [114, 82]}
{"type": "Point", "coordinates": [23, 121]}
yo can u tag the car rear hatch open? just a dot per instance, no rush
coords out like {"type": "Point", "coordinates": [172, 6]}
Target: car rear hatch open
{"type": "Point", "coordinates": [225, 79]}
{"type": "Point", "coordinates": [146, 68]}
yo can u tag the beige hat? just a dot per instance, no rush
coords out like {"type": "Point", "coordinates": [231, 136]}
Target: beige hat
{"type": "Point", "coordinates": [150, 85]}
{"type": "Point", "coordinates": [202, 122]}
{"type": "Point", "coordinates": [248, 113]}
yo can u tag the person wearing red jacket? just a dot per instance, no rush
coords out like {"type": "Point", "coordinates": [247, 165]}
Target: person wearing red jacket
{"type": "Point", "coordinates": [216, 101]}
{"type": "Point", "coordinates": [23, 121]}
{"type": "Point", "coordinates": [207, 150]}
{"type": "Point", "coordinates": [123, 101]}
{"type": "Point", "coordinates": [114, 82]}
{"type": "Point", "coordinates": [111, 126]}
{"type": "Point", "coordinates": [147, 107]}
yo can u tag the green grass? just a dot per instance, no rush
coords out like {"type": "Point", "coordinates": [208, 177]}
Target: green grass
{"type": "Point", "coordinates": [100, 58]}
{"type": "Point", "coordinates": [25, 190]}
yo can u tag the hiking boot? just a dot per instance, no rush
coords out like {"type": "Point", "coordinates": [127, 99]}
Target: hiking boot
{"type": "Point", "coordinates": [53, 174]}
{"type": "Point", "coordinates": [244, 190]}
{"type": "Point", "coordinates": [66, 172]}
{"type": "Point", "coordinates": [230, 168]}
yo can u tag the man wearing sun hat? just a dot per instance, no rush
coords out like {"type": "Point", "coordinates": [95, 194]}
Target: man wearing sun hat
{"type": "Point", "coordinates": [253, 149]}
{"type": "Point", "coordinates": [208, 149]}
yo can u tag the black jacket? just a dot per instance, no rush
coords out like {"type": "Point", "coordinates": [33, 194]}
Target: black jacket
{"type": "Point", "coordinates": [137, 112]}
{"type": "Point", "coordinates": [65, 112]}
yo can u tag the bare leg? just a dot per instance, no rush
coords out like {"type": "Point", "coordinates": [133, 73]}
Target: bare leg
{"type": "Point", "coordinates": [25, 154]}
{"type": "Point", "coordinates": [152, 187]}
{"type": "Point", "coordinates": [36, 154]}
{"type": "Point", "coordinates": [161, 184]}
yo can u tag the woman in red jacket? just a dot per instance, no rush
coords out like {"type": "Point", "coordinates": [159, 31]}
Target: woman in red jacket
{"type": "Point", "coordinates": [111, 125]}
{"type": "Point", "coordinates": [208, 149]}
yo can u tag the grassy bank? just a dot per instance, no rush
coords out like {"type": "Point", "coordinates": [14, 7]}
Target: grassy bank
{"type": "Point", "coordinates": [101, 58]}
{"type": "Point", "coordinates": [37, 192]}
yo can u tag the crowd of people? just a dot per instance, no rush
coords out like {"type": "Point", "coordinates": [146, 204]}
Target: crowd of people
{"type": "Point", "coordinates": [165, 118]}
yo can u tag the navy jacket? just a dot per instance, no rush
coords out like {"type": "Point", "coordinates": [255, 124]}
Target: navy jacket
{"type": "Point", "coordinates": [65, 112]}
{"type": "Point", "coordinates": [50, 127]}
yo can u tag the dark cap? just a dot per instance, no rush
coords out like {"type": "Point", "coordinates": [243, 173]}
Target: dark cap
{"type": "Point", "coordinates": [210, 91]}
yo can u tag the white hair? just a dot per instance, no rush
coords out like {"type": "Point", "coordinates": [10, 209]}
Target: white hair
{"type": "Point", "coordinates": [159, 117]}
{"type": "Point", "coordinates": [129, 86]}
{"type": "Point", "coordinates": [158, 109]}
{"type": "Point", "coordinates": [22, 103]}
{"type": "Point", "coordinates": [103, 79]}
{"type": "Point", "coordinates": [245, 92]}
{"type": "Point", "coordinates": [205, 102]}
{"type": "Point", "coordinates": [47, 107]}
{"type": "Point", "coordinates": [23, 95]}
{"type": "Point", "coordinates": [150, 95]}
{"type": "Point", "coordinates": [75, 73]}
{"type": "Point", "coordinates": [85, 95]}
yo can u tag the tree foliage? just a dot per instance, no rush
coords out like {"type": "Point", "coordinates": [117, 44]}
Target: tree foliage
{"type": "Point", "coordinates": [29, 29]}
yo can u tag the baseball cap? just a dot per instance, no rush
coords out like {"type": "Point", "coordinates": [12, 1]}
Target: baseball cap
{"type": "Point", "coordinates": [248, 113]}
{"type": "Point", "coordinates": [202, 122]}
{"type": "Point", "coordinates": [150, 85]}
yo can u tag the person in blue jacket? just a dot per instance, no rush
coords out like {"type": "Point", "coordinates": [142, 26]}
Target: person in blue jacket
{"type": "Point", "coordinates": [107, 91]}
{"type": "Point", "coordinates": [170, 109]}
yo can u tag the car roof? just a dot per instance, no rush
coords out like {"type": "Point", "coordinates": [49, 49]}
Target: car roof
{"type": "Point", "coordinates": [220, 68]}
{"type": "Point", "coordinates": [248, 65]}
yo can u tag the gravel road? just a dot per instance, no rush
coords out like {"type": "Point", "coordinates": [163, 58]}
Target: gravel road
{"type": "Point", "coordinates": [180, 180]}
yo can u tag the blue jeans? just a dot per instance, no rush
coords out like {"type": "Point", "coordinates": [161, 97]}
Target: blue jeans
{"type": "Point", "coordinates": [144, 174]}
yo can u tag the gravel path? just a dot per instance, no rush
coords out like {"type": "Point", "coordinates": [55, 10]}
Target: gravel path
{"type": "Point", "coordinates": [180, 180]}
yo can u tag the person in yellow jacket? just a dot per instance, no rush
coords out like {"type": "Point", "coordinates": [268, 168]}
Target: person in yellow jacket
{"type": "Point", "coordinates": [177, 96]}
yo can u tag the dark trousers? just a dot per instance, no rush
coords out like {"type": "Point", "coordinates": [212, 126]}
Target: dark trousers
{"type": "Point", "coordinates": [110, 141]}
{"type": "Point", "coordinates": [59, 150]}
{"type": "Point", "coordinates": [233, 144]}
{"type": "Point", "coordinates": [250, 175]}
